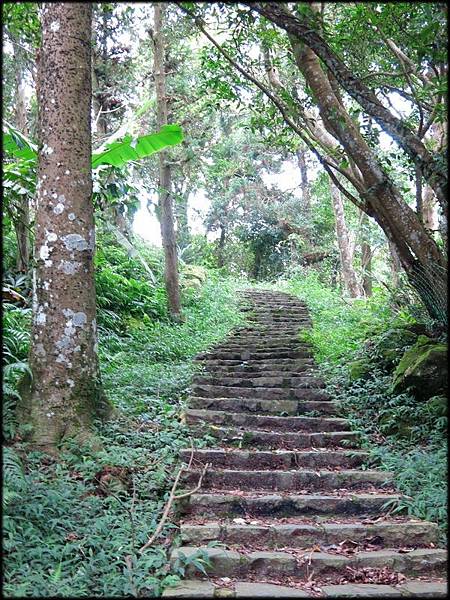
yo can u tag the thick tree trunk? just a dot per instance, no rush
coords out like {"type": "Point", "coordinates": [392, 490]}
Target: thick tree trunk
{"type": "Point", "coordinates": [65, 393]}
{"type": "Point", "coordinates": [165, 179]}
{"type": "Point", "coordinates": [22, 223]}
{"type": "Point", "coordinates": [348, 273]}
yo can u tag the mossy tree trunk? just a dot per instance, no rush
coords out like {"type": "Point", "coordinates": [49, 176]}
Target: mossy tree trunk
{"type": "Point", "coordinates": [65, 394]}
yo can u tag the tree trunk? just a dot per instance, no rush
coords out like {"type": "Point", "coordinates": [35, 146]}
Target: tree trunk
{"type": "Point", "coordinates": [348, 273]}
{"type": "Point", "coordinates": [65, 394]}
{"type": "Point", "coordinates": [165, 179]}
{"type": "Point", "coordinates": [22, 222]}
{"type": "Point", "coordinates": [304, 185]}
{"type": "Point", "coordinates": [221, 247]}
{"type": "Point", "coordinates": [396, 266]}
{"type": "Point", "coordinates": [366, 266]}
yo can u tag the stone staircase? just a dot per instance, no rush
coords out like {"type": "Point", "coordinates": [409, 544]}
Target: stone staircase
{"type": "Point", "coordinates": [285, 493]}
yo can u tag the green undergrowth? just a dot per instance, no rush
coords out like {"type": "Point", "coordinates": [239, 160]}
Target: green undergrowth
{"type": "Point", "coordinates": [73, 526]}
{"type": "Point", "coordinates": [403, 434]}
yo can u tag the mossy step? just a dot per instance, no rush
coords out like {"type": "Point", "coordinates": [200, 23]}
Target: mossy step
{"type": "Point", "coordinates": [386, 534]}
{"type": "Point", "coordinates": [301, 367]}
{"type": "Point", "coordinates": [262, 381]}
{"type": "Point", "coordinates": [245, 355]}
{"type": "Point", "coordinates": [263, 393]}
{"type": "Point", "coordinates": [256, 438]}
{"type": "Point", "coordinates": [275, 459]}
{"type": "Point", "coordinates": [287, 481]}
{"type": "Point", "coordinates": [275, 407]}
{"type": "Point", "coordinates": [288, 424]}
{"type": "Point", "coordinates": [429, 561]}
{"type": "Point", "coordinates": [306, 376]}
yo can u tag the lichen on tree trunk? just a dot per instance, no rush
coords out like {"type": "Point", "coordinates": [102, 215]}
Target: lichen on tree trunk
{"type": "Point", "coordinates": [65, 394]}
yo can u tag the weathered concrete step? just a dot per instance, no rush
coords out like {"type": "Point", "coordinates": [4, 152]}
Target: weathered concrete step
{"type": "Point", "coordinates": [272, 440]}
{"type": "Point", "coordinates": [276, 407]}
{"type": "Point", "coordinates": [242, 346]}
{"type": "Point", "coordinates": [410, 589]}
{"type": "Point", "coordinates": [198, 588]}
{"type": "Point", "coordinates": [256, 354]}
{"type": "Point", "coordinates": [303, 367]}
{"type": "Point", "coordinates": [279, 363]}
{"type": "Point", "coordinates": [273, 533]}
{"type": "Point", "coordinates": [276, 459]}
{"type": "Point", "coordinates": [274, 423]}
{"type": "Point", "coordinates": [286, 505]}
{"type": "Point", "coordinates": [263, 393]}
{"type": "Point", "coordinates": [285, 481]}
{"type": "Point", "coordinates": [265, 381]}
{"type": "Point", "coordinates": [230, 563]}
{"type": "Point", "coordinates": [234, 373]}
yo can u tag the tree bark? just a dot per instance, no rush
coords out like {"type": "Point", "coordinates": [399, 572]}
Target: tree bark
{"type": "Point", "coordinates": [221, 246]}
{"type": "Point", "coordinates": [65, 394]}
{"type": "Point", "coordinates": [348, 273]}
{"type": "Point", "coordinates": [396, 266]}
{"type": "Point", "coordinates": [165, 179]}
{"type": "Point", "coordinates": [22, 222]}
{"type": "Point", "coordinates": [304, 184]}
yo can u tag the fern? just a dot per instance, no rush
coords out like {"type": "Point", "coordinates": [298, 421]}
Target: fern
{"type": "Point", "coordinates": [14, 480]}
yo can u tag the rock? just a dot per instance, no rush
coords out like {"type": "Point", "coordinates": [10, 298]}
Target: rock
{"type": "Point", "coordinates": [423, 368]}
{"type": "Point", "coordinates": [190, 589]}
{"type": "Point", "coordinates": [246, 589]}
{"type": "Point", "coordinates": [363, 590]}
{"type": "Point", "coordinates": [359, 369]}
{"type": "Point", "coordinates": [424, 589]}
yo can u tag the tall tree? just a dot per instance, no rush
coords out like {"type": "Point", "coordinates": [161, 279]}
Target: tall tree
{"type": "Point", "coordinates": [165, 179]}
{"type": "Point", "coordinates": [65, 393]}
{"type": "Point", "coordinates": [349, 278]}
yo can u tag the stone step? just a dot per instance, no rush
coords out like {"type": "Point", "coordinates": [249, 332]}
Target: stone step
{"type": "Point", "coordinates": [266, 346]}
{"type": "Point", "coordinates": [267, 422]}
{"type": "Point", "coordinates": [262, 393]}
{"type": "Point", "coordinates": [245, 355]}
{"type": "Point", "coordinates": [302, 367]}
{"type": "Point", "coordinates": [286, 505]}
{"type": "Point", "coordinates": [229, 563]}
{"type": "Point", "coordinates": [273, 533]}
{"type": "Point", "coordinates": [199, 588]}
{"type": "Point", "coordinates": [275, 459]}
{"type": "Point", "coordinates": [288, 363]}
{"type": "Point", "coordinates": [265, 381]}
{"type": "Point", "coordinates": [284, 481]}
{"type": "Point", "coordinates": [276, 407]}
{"type": "Point", "coordinates": [257, 438]}
{"type": "Point", "coordinates": [248, 373]}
